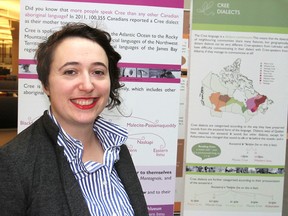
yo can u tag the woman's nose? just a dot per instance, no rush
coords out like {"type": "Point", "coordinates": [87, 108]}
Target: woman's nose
{"type": "Point", "coordinates": [86, 83]}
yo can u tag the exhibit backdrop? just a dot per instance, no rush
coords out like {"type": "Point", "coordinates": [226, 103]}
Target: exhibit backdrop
{"type": "Point", "coordinates": [148, 35]}
{"type": "Point", "coordinates": [237, 108]}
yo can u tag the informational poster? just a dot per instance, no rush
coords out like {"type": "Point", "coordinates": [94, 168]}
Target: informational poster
{"type": "Point", "coordinates": [237, 108]}
{"type": "Point", "coordinates": [148, 35]}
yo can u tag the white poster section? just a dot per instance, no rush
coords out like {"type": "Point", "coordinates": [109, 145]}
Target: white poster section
{"type": "Point", "coordinates": [148, 35]}
{"type": "Point", "coordinates": [237, 109]}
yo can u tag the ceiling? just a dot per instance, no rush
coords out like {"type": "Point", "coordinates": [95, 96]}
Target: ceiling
{"type": "Point", "coordinates": [9, 12]}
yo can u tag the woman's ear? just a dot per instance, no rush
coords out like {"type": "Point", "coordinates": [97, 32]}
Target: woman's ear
{"type": "Point", "coordinates": [46, 90]}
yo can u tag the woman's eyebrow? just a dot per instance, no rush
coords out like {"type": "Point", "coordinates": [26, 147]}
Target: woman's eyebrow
{"type": "Point", "coordinates": [68, 63]}
{"type": "Point", "coordinates": [77, 63]}
{"type": "Point", "coordinates": [100, 63]}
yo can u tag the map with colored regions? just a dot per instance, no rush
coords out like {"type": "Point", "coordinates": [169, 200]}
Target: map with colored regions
{"type": "Point", "coordinates": [230, 91]}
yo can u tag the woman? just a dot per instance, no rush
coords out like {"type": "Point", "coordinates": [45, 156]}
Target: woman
{"type": "Point", "coordinates": [71, 161]}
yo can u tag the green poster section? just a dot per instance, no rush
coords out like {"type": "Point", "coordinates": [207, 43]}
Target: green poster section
{"type": "Point", "coordinates": [235, 18]}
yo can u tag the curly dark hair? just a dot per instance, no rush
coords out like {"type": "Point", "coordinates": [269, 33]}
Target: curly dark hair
{"type": "Point", "coordinates": [45, 53]}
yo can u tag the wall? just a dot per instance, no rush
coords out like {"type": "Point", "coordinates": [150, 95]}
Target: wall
{"type": "Point", "coordinates": [7, 135]}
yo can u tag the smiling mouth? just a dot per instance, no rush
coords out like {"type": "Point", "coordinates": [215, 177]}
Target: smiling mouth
{"type": "Point", "coordinates": [84, 103]}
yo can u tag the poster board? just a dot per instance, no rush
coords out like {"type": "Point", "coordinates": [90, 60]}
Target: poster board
{"type": "Point", "coordinates": [148, 35]}
{"type": "Point", "coordinates": [237, 108]}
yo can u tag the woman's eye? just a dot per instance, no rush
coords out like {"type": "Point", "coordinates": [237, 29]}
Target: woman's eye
{"type": "Point", "coordinates": [98, 72]}
{"type": "Point", "coordinates": [69, 72]}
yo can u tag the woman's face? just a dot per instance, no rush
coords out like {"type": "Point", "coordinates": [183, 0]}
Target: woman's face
{"type": "Point", "coordinates": [79, 82]}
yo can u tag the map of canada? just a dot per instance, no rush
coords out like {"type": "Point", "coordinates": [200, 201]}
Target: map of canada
{"type": "Point", "coordinates": [230, 91]}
